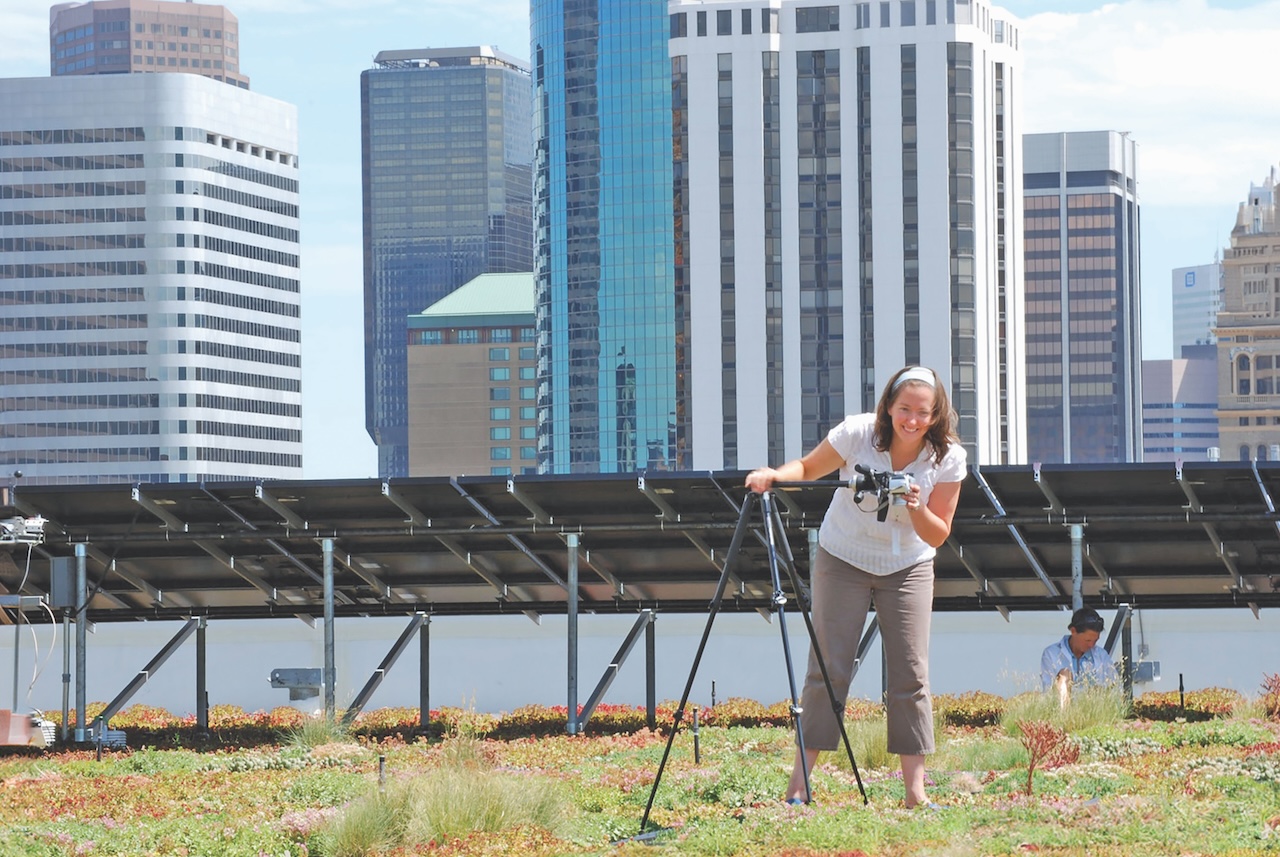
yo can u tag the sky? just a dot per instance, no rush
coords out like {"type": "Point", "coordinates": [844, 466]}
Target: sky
{"type": "Point", "coordinates": [1192, 81]}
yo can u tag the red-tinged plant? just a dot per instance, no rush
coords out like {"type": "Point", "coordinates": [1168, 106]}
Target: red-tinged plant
{"type": "Point", "coordinates": [975, 708]}
{"type": "Point", "coordinates": [1271, 695]}
{"type": "Point", "coordinates": [1205, 704]}
{"type": "Point", "coordinates": [1047, 747]}
{"type": "Point", "coordinates": [735, 711]}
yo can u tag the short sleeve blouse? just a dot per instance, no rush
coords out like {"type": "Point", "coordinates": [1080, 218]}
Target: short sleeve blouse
{"type": "Point", "coordinates": [853, 534]}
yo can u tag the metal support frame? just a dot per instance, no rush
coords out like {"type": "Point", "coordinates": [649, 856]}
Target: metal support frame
{"type": "Point", "coordinates": [424, 674]}
{"type": "Point", "coordinates": [512, 539]}
{"type": "Point", "coordinates": [1121, 628]}
{"type": "Point", "coordinates": [1219, 545]}
{"type": "Point", "coordinates": [642, 624]}
{"type": "Point", "coordinates": [974, 568]}
{"type": "Point", "coordinates": [571, 627]}
{"type": "Point", "coordinates": [82, 629]}
{"type": "Point", "coordinates": [1016, 534]}
{"type": "Point", "coordinates": [541, 516]}
{"type": "Point", "coordinates": [144, 674]}
{"type": "Point", "coordinates": [1077, 554]}
{"type": "Point", "coordinates": [202, 692]}
{"type": "Point", "coordinates": [330, 667]}
{"type": "Point", "coordinates": [397, 649]}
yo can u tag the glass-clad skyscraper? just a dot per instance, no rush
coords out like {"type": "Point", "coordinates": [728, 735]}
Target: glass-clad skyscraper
{"type": "Point", "coordinates": [447, 153]}
{"type": "Point", "coordinates": [609, 398]}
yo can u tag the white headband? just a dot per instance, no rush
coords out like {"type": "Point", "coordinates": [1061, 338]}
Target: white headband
{"type": "Point", "coordinates": [915, 373]}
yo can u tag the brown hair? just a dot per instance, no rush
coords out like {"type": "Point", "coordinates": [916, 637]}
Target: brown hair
{"type": "Point", "coordinates": [941, 432]}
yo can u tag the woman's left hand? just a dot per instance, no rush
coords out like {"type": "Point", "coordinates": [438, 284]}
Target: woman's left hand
{"type": "Point", "coordinates": [914, 503]}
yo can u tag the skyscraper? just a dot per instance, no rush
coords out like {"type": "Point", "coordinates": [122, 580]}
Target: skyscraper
{"type": "Point", "coordinates": [447, 154]}
{"type": "Point", "coordinates": [129, 36]}
{"type": "Point", "coordinates": [847, 202]}
{"type": "Point", "coordinates": [1248, 331]}
{"type": "Point", "coordinates": [1197, 299]}
{"type": "Point", "coordinates": [1084, 320]}
{"type": "Point", "coordinates": [610, 317]}
{"type": "Point", "coordinates": [149, 291]}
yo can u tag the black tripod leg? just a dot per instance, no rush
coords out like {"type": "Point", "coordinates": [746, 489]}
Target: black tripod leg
{"type": "Point", "coordinates": [730, 558]}
{"type": "Point", "coordinates": [779, 604]}
{"type": "Point", "coordinates": [837, 706]}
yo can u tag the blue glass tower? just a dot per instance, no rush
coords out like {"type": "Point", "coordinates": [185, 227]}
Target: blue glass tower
{"type": "Point", "coordinates": [447, 155]}
{"type": "Point", "coordinates": [608, 307]}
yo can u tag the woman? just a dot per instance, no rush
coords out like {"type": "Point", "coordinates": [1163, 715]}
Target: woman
{"type": "Point", "coordinates": [862, 560]}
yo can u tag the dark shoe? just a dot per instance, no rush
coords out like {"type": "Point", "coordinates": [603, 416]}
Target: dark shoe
{"type": "Point", "coordinates": [796, 801]}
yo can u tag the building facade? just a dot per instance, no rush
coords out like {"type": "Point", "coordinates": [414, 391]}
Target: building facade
{"type": "Point", "coordinates": [132, 36]}
{"type": "Point", "coordinates": [472, 387]}
{"type": "Point", "coordinates": [1084, 348]}
{"type": "Point", "coordinates": [847, 201]}
{"type": "Point", "coordinates": [610, 330]}
{"type": "Point", "coordinates": [1197, 300]}
{"type": "Point", "coordinates": [1180, 406]}
{"type": "Point", "coordinates": [149, 288]}
{"type": "Point", "coordinates": [447, 156]}
{"type": "Point", "coordinates": [1248, 331]}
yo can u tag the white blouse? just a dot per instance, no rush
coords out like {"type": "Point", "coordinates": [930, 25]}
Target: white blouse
{"type": "Point", "coordinates": [853, 534]}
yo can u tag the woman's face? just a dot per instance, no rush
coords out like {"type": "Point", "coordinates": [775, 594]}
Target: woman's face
{"type": "Point", "coordinates": [912, 412]}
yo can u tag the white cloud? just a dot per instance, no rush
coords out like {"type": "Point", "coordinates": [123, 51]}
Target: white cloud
{"type": "Point", "coordinates": [1194, 84]}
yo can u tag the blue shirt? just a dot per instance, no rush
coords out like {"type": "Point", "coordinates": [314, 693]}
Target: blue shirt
{"type": "Point", "coordinates": [1093, 667]}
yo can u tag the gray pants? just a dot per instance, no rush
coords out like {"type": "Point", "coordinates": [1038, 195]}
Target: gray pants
{"type": "Point", "coordinates": [842, 595]}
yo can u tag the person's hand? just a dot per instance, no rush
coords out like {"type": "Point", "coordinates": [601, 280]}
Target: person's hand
{"type": "Point", "coordinates": [762, 479]}
{"type": "Point", "coordinates": [914, 503]}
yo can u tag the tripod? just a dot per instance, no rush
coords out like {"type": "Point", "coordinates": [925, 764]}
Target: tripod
{"type": "Point", "coordinates": [774, 535]}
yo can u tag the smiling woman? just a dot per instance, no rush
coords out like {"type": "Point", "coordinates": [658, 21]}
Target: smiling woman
{"type": "Point", "coordinates": [885, 559]}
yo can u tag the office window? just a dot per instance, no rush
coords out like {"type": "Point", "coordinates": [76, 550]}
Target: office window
{"type": "Point", "coordinates": [500, 433]}
{"type": "Point", "coordinates": [499, 353]}
{"type": "Point", "coordinates": [499, 471]}
{"type": "Point", "coordinates": [528, 373]}
{"type": "Point", "coordinates": [500, 453]}
{"type": "Point", "coordinates": [500, 334]}
{"type": "Point", "coordinates": [907, 11]}
{"type": "Point", "coordinates": [528, 413]}
{"type": "Point", "coordinates": [528, 354]}
{"type": "Point", "coordinates": [702, 23]}
{"type": "Point", "coordinates": [679, 25]}
{"type": "Point", "coordinates": [818, 19]}
{"type": "Point", "coordinates": [500, 373]}
{"type": "Point", "coordinates": [528, 432]}
{"type": "Point", "coordinates": [724, 22]}
{"type": "Point", "coordinates": [499, 413]}
{"type": "Point", "coordinates": [746, 22]}
{"type": "Point", "coordinates": [528, 394]}
{"type": "Point", "coordinates": [528, 453]}
{"type": "Point", "coordinates": [467, 336]}
{"type": "Point", "coordinates": [884, 14]}
{"type": "Point", "coordinates": [500, 394]}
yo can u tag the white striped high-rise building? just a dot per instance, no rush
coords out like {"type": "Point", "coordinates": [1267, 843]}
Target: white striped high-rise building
{"type": "Point", "coordinates": [848, 200]}
{"type": "Point", "coordinates": [149, 281]}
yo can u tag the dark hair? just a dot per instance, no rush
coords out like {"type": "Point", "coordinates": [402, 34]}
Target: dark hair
{"type": "Point", "coordinates": [941, 432]}
{"type": "Point", "coordinates": [1086, 619]}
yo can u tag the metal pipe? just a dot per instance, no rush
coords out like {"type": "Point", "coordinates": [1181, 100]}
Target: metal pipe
{"type": "Point", "coordinates": [571, 541]}
{"type": "Point", "coordinates": [202, 693]}
{"type": "Point", "coordinates": [424, 676]}
{"type": "Point", "coordinates": [1077, 566]}
{"type": "Point", "coordinates": [330, 669]}
{"type": "Point", "coordinates": [82, 629]}
{"type": "Point", "coordinates": [66, 674]}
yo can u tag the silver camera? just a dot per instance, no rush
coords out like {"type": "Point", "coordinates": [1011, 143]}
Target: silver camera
{"type": "Point", "coordinates": [898, 486]}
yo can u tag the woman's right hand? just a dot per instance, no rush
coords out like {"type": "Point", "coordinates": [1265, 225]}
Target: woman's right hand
{"type": "Point", "coordinates": [761, 479]}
